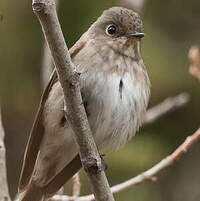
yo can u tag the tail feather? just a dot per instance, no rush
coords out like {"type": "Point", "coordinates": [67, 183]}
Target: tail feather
{"type": "Point", "coordinates": [35, 193]}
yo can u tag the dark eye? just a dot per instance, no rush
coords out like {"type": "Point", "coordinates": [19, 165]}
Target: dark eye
{"type": "Point", "coordinates": [111, 29]}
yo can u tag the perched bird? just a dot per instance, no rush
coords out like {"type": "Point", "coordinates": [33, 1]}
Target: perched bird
{"type": "Point", "coordinates": [115, 89]}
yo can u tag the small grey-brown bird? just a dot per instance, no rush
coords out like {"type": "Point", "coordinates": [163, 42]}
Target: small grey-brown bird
{"type": "Point", "coordinates": [115, 89]}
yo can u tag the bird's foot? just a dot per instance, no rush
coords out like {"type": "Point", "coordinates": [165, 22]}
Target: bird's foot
{"type": "Point", "coordinates": [103, 163]}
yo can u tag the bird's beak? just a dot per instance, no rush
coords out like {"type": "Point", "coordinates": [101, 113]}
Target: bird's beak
{"type": "Point", "coordinates": [136, 35]}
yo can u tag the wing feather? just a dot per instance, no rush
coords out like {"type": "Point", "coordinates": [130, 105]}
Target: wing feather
{"type": "Point", "coordinates": [35, 138]}
{"type": "Point", "coordinates": [37, 131]}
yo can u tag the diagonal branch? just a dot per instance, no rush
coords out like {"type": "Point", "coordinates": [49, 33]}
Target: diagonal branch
{"type": "Point", "coordinates": [169, 104]}
{"type": "Point", "coordinates": [147, 175]}
{"type": "Point", "coordinates": [69, 79]}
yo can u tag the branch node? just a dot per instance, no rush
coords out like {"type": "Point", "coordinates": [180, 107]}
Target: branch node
{"type": "Point", "coordinates": [92, 165]}
{"type": "Point", "coordinates": [146, 177]}
{"type": "Point", "coordinates": [76, 76]}
{"type": "Point", "coordinates": [73, 81]}
{"type": "Point", "coordinates": [37, 6]}
{"type": "Point", "coordinates": [153, 179]}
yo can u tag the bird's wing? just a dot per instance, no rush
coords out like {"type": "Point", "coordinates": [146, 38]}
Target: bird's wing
{"type": "Point", "coordinates": [37, 131]}
{"type": "Point", "coordinates": [35, 138]}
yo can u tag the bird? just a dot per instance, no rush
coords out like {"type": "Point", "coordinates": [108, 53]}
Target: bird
{"type": "Point", "coordinates": [115, 89]}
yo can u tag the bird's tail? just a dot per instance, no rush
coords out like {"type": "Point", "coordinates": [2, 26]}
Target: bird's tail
{"type": "Point", "coordinates": [32, 193]}
{"type": "Point", "coordinates": [35, 193]}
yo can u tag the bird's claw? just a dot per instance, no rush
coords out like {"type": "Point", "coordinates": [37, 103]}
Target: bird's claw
{"type": "Point", "coordinates": [103, 163]}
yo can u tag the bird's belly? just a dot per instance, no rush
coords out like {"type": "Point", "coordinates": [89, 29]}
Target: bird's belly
{"type": "Point", "coordinates": [115, 107]}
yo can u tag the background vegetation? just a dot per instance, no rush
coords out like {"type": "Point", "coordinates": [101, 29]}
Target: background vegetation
{"type": "Point", "coordinates": [171, 27]}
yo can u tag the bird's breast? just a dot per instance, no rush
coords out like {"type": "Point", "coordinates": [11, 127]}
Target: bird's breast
{"type": "Point", "coordinates": [116, 103]}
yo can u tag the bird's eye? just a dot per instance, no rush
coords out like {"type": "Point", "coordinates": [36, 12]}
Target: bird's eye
{"type": "Point", "coordinates": [111, 29]}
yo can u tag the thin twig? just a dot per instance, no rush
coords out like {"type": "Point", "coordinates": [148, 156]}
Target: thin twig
{"type": "Point", "coordinates": [194, 58]}
{"type": "Point", "coordinates": [4, 195]}
{"type": "Point", "coordinates": [46, 70]}
{"type": "Point", "coordinates": [147, 175]}
{"type": "Point", "coordinates": [76, 186]}
{"type": "Point", "coordinates": [70, 81]}
{"type": "Point", "coordinates": [167, 105]}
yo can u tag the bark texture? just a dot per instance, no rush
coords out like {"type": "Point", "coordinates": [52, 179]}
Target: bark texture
{"type": "Point", "coordinates": [69, 79]}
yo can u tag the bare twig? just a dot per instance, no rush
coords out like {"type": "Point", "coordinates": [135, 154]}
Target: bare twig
{"type": "Point", "coordinates": [76, 186]}
{"type": "Point", "coordinates": [169, 160]}
{"type": "Point", "coordinates": [69, 79]}
{"type": "Point", "coordinates": [194, 59]}
{"type": "Point", "coordinates": [147, 175]}
{"type": "Point", "coordinates": [167, 105]}
{"type": "Point", "coordinates": [4, 195]}
{"type": "Point", "coordinates": [46, 70]}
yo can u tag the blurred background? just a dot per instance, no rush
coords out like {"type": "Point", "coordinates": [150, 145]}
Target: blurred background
{"type": "Point", "coordinates": [171, 27]}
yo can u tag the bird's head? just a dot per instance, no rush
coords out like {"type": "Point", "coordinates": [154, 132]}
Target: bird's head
{"type": "Point", "coordinates": [119, 28]}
